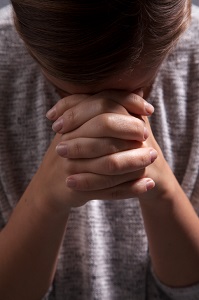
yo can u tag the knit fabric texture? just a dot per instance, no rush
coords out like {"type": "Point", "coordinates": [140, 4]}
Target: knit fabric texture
{"type": "Point", "coordinates": [104, 255]}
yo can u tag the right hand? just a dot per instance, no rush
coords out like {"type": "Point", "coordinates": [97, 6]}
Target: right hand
{"type": "Point", "coordinates": [116, 169]}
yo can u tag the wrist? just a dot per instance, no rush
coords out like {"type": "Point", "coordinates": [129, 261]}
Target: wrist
{"type": "Point", "coordinates": [44, 199]}
{"type": "Point", "coordinates": [165, 188]}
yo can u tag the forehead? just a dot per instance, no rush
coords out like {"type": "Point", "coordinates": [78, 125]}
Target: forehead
{"type": "Point", "coordinates": [127, 80]}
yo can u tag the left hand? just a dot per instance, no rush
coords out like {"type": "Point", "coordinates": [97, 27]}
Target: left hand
{"type": "Point", "coordinates": [116, 102]}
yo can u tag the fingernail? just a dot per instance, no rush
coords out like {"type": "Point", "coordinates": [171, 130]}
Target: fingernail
{"type": "Point", "coordinates": [71, 182]}
{"type": "Point", "coordinates": [154, 155]}
{"type": "Point", "coordinates": [57, 126]}
{"type": "Point", "coordinates": [146, 133]}
{"type": "Point", "coordinates": [150, 184]}
{"type": "Point", "coordinates": [149, 108]}
{"type": "Point", "coordinates": [51, 113]}
{"type": "Point", "coordinates": [62, 150]}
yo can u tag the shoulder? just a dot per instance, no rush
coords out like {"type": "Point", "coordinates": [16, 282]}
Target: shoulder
{"type": "Point", "coordinates": [12, 49]}
{"type": "Point", "coordinates": [183, 61]}
{"type": "Point", "coordinates": [195, 15]}
{"type": "Point", "coordinates": [191, 36]}
{"type": "Point", "coordinates": [6, 15]}
{"type": "Point", "coordinates": [189, 41]}
{"type": "Point", "coordinates": [16, 64]}
{"type": "Point", "coordinates": [7, 31]}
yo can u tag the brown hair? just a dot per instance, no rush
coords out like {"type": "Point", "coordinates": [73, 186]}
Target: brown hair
{"type": "Point", "coordinates": [86, 41]}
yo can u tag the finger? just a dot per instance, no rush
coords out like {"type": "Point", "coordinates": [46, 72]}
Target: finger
{"type": "Point", "coordinates": [94, 147]}
{"type": "Point", "coordinates": [111, 125]}
{"type": "Point", "coordinates": [64, 104]}
{"type": "Point", "coordinates": [86, 110]}
{"type": "Point", "coordinates": [132, 102]}
{"type": "Point", "coordinates": [120, 102]}
{"type": "Point", "coordinates": [93, 182]}
{"type": "Point", "coordinates": [114, 164]}
{"type": "Point", "coordinates": [123, 191]}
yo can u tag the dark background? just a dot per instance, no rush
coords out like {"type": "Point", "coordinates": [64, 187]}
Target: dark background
{"type": "Point", "coordinates": [4, 2]}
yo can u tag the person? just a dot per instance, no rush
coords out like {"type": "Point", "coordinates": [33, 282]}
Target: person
{"type": "Point", "coordinates": [105, 205]}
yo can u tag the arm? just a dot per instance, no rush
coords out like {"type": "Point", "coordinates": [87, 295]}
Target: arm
{"type": "Point", "coordinates": [30, 242]}
{"type": "Point", "coordinates": [171, 223]}
{"type": "Point", "coordinates": [172, 226]}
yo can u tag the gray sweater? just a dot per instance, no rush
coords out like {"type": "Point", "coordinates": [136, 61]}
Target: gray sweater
{"type": "Point", "coordinates": [104, 255]}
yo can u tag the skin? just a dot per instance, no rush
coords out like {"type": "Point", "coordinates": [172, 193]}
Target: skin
{"type": "Point", "coordinates": [78, 114]}
{"type": "Point", "coordinates": [171, 224]}
{"type": "Point", "coordinates": [30, 242]}
{"type": "Point", "coordinates": [124, 167]}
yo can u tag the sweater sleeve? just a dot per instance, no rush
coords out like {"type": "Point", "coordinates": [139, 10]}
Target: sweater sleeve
{"type": "Point", "coordinates": [190, 74]}
{"type": "Point", "coordinates": [159, 291]}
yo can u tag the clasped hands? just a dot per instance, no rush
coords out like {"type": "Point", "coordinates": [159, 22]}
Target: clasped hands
{"type": "Point", "coordinates": [107, 144]}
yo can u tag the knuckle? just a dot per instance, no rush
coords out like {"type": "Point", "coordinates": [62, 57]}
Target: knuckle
{"type": "Point", "coordinates": [144, 160]}
{"type": "Point", "coordinates": [112, 165]}
{"type": "Point", "coordinates": [101, 123]}
{"type": "Point", "coordinates": [106, 121]}
{"type": "Point", "coordinates": [139, 128]}
{"type": "Point", "coordinates": [86, 184]}
{"type": "Point", "coordinates": [71, 116]}
{"type": "Point", "coordinates": [76, 149]}
{"type": "Point", "coordinates": [135, 189]}
{"type": "Point", "coordinates": [111, 148]}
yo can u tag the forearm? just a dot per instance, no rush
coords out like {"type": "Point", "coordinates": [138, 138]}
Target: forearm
{"type": "Point", "coordinates": [29, 247]}
{"type": "Point", "coordinates": [172, 228]}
